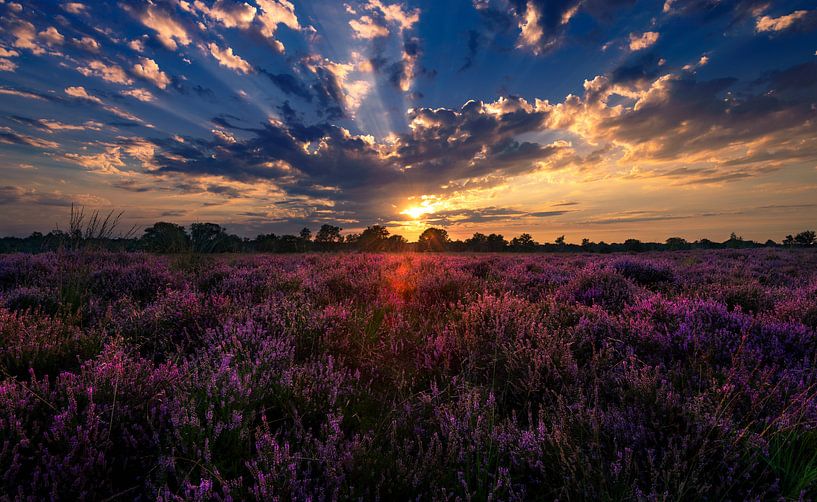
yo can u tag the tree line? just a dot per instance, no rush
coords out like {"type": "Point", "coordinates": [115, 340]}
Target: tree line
{"type": "Point", "coordinates": [165, 237]}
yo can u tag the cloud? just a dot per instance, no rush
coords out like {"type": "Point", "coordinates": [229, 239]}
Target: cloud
{"type": "Point", "coordinates": [274, 13]}
{"type": "Point", "coordinates": [73, 7]}
{"type": "Point", "coordinates": [485, 215]}
{"type": "Point", "coordinates": [80, 92]}
{"type": "Point", "coordinates": [149, 70]}
{"type": "Point", "coordinates": [227, 58]}
{"type": "Point", "coordinates": [709, 10]}
{"type": "Point", "coordinates": [289, 84]}
{"type": "Point", "coordinates": [108, 161]}
{"type": "Point", "coordinates": [395, 13]}
{"type": "Point", "coordinates": [10, 194]}
{"type": "Point", "coordinates": [137, 45]}
{"type": "Point", "coordinates": [230, 14]}
{"type": "Point", "coordinates": [543, 24]}
{"type": "Point", "coordinates": [21, 94]}
{"type": "Point", "coordinates": [52, 126]}
{"type": "Point", "coordinates": [109, 73]}
{"type": "Point", "coordinates": [140, 94]}
{"type": "Point", "coordinates": [640, 42]}
{"type": "Point", "coordinates": [51, 36]}
{"type": "Point", "coordinates": [7, 65]}
{"type": "Point", "coordinates": [367, 28]}
{"type": "Point", "coordinates": [798, 18]}
{"type": "Point", "coordinates": [10, 137]}
{"type": "Point", "coordinates": [87, 43]}
{"type": "Point", "coordinates": [168, 30]}
{"type": "Point", "coordinates": [532, 32]}
{"type": "Point", "coordinates": [339, 84]}
{"type": "Point", "coordinates": [25, 37]}
{"type": "Point", "coordinates": [474, 146]}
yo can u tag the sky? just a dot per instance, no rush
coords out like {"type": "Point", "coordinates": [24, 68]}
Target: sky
{"type": "Point", "coordinates": [586, 118]}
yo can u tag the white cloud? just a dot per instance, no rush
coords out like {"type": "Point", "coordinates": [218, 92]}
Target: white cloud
{"type": "Point", "coordinates": [51, 36]}
{"type": "Point", "coordinates": [87, 43]}
{"type": "Point", "coordinates": [149, 70]}
{"type": "Point", "coordinates": [169, 31]}
{"type": "Point", "coordinates": [226, 57]}
{"type": "Point", "coordinates": [646, 39]}
{"type": "Point", "coordinates": [109, 73]}
{"type": "Point", "coordinates": [367, 28]}
{"type": "Point", "coordinates": [231, 15]}
{"type": "Point", "coordinates": [223, 136]}
{"type": "Point", "coordinates": [394, 13]}
{"type": "Point", "coordinates": [25, 37]}
{"type": "Point", "coordinates": [137, 45]}
{"type": "Point", "coordinates": [354, 89]}
{"type": "Point", "coordinates": [21, 94]}
{"type": "Point", "coordinates": [73, 7]}
{"type": "Point", "coordinates": [140, 94]}
{"type": "Point", "coordinates": [532, 33]}
{"type": "Point", "coordinates": [768, 23]}
{"type": "Point", "coordinates": [11, 137]}
{"type": "Point", "coordinates": [7, 65]}
{"type": "Point", "coordinates": [107, 162]}
{"type": "Point", "coordinates": [80, 92]}
{"type": "Point", "coordinates": [7, 53]}
{"type": "Point", "coordinates": [275, 12]}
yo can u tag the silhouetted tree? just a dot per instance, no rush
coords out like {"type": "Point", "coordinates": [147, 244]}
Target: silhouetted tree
{"type": "Point", "coordinates": [523, 243]}
{"type": "Point", "coordinates": [329, 234]}
{"type": "Point", "coordinates": [805, 238]}
{"type": "Point", "coordinates": [677, 243]}
{"type": "Point", "coordinates": [165, 237]}
{"type": "Point", "coordinates": [266, 243]}
{"type": "Point", "coordinates": [477, 243]}
{"type": "Point", "coordinates": [395, 243]}
{"type": "Point", "coordinates": [433, 239]}
{"type": "Point", "coordinates": [373, 238]}
{"type": "Point", "coordinates": [207, 237]}
{"type": "Point", "coordinates": [496, 243]}
{"type": "Point", "coordinates": [633, 245]}
{"type": "Point", "coordinates": [290, 244]}
{"type": "Point", "coordinates": [560, 241]}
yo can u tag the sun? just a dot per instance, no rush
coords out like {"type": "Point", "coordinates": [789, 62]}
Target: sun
{"type": "Point", "coordinates": [415, 212]}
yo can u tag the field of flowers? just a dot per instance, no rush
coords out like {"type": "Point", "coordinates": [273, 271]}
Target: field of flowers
{"type": "Point", "coordinates": [668, 376]}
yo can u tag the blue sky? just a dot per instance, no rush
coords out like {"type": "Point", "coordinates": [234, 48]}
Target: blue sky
{"type": "Point", "coordinates": [589, 118]}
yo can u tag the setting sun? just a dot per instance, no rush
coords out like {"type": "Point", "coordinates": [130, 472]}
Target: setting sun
{"type": "Point", "coordinates": [416, 212]}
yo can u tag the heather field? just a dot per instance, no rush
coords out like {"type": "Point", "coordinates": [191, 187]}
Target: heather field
{"type": "Point", "coordinates": [664, 376]}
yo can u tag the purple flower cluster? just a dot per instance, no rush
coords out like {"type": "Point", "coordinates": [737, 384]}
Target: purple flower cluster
{"type": "Point", "coordinates": [685, 375]}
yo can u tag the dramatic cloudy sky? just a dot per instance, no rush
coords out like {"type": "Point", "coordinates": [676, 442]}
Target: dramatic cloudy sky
{"type": "Point", "coordinates": [604, 119]}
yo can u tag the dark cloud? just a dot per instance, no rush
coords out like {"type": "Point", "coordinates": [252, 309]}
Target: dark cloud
{"type": "Point", "coordinates": [474, 39]}
{"type": "Point", "coordinates": [552, 17]}
{"type": "Point", "coordinates": [797, 78]}
{"type": "Point", "coordinates": [639, 68]}
{"type": "Point", "coordinates": [13, 195]}
{"type": "Point", "coordinates": [324, 160]}
{"type": "Point", "coordinates": [288, 84]}
{"type": "Point", "coordinates": [486, 215]}
{"type": "Point", "coordinates": [708, 10]}
{"type": "Point", "coordinates": [683, 116]}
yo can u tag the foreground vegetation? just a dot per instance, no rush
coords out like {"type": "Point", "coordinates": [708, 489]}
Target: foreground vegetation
{"type": "Point", "coordinates": [673, 376]}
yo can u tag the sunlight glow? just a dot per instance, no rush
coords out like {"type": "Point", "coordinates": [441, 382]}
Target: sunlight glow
{"type": "Point", "coordinates": [415, 212]}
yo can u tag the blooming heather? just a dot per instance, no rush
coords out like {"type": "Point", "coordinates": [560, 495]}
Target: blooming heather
{"type": "Point", "coordinates": [685, 375]}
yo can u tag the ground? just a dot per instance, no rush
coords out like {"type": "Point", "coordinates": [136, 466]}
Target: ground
{"type": "Point", "coordinates": [675, 375]}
